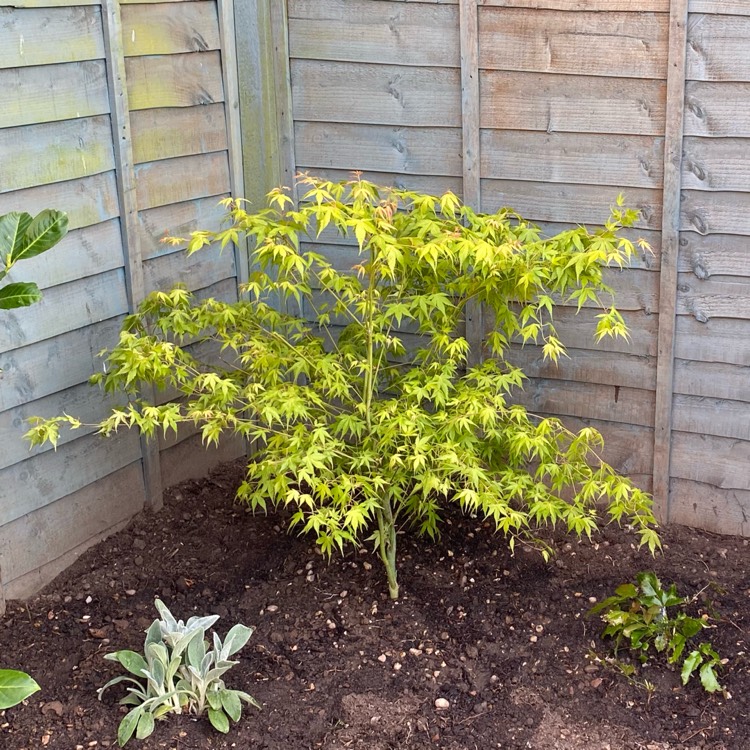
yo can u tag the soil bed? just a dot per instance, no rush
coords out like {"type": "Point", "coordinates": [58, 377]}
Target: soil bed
{"type": "Point", "coordinates": [335, 664]}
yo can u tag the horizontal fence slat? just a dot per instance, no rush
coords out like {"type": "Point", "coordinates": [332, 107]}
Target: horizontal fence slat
{"type": "Point", "coordinates": [704, 506]}
{"type": "Point", "coordinates": [516, 100]}
{"type": "Point", "coordinates": [716, 340]}
{"type": "Point", "coordinates": [620, 161]}
{"type": "Point", "coordinates": [621, 45]}
{"type": "Point", "coordinates": [199, 270]}
{"type": "Point", "coordinates": [169, 181]}
{"type": "Point", "coordinates": [599, 6]}
{"type": "Point", "coordinates": [713, 298]}
{"type": "Point", "coordinates": [376, 32]}
{"type": "Point", "coordinates": [376, 94]}
{"type": "Point", "coordinates": [25, 35]}
{"type": "Point", "coordinates": [65, 308]}
{"type": "Point", "coordinates": [48, 93]}
{"type": "Point", "coordinates": [715, 212]}
{"type": "Point", "coordinates": [171, 132]}
{"type": "Point", "coordinates": [718, 48]}
{"type": "Point", "coordinates": [379, 148]}
{"type": "Point", "coordinates": [160, 29]}
{"type": "Point", "coordinates": [712, 379]}
{"type": "Point", "coordinates": [714, 255]}
{"type": "Point", "coordinates": [55, 152]}
{"type": "Point", "coordinates": [183, 80]}
{"type": "Point", "coordinates": [717, 109]}
{"type": "Point", "coordinates": [721, 164]}
{"type": "Point", "coordinates": [728, 467]}
{"type": "Point", "coordinates": [711, 416]}
{"type": "Point", "coordinates": [45, 367]}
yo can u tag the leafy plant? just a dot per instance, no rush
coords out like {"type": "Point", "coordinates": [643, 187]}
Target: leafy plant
{"type": "Point", "coordinates": [352, 377]}
{"type": "Point", "coordinates": [23, 237]}
{"type": "Point", "coordinates": [639, 614]}
{"type": "Point", "coordinates": [15, 687]}
{"type": "Point", "coordinates": [178, 672]}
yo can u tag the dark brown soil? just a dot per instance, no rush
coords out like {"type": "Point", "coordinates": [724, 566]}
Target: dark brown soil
{"type": "Point", "coordinates": [336, 664]}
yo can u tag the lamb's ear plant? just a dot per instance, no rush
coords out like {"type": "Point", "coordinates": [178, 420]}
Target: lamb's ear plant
{"type": "Point", "coordinates": [178, 672]}
{"type": "Point", "coordinates": [646, 616]}
{"type": "Point", "coordinates": [352, 376]}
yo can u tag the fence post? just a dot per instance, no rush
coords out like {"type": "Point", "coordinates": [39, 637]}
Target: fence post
{"type": "Point", "coordinates": [125, 172]}
{"type": "Point", "coordinates": [469, 41]}
{"type": "Point", "coordinates": [678, 15]}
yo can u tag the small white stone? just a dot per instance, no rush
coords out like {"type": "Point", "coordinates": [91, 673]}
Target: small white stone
{"type": "Point", "coordinates": [397, 666]}
{"type": "Point", "coordinates": [272, 608]}
{"type": "Point", "coordinates": [382, 658]}
{"type": "Point", "coordinates": [442, 703]}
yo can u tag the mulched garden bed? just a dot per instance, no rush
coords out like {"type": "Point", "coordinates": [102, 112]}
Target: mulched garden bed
{"type": "Point", "coordinates": [504, 639]}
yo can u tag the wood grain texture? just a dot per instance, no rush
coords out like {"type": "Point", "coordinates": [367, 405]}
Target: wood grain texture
{"type": "Point", "coordinates": [55, 152]}
{"type": "Point", "coordinates": [620, 161]}
{"type": "Point", "coordinates": [630, 406]}
{"type": "Point", "coordinates": [42, 479]}
{"type": "Point", "coordinates": [715, 212]}
{"type": "Point", "coordinates": [161, 29]}
{"type": "Point", "coordinates": [713, 379]}
{"type": "Point", "coordinates": [51, 365]}
{"type": "Point", "coordinates": [705, 506]}
{"type": "Point", "coordinates": [86, 201]}
{"type": "Point", "coordinates": [721, 462]}
{"type": "Point", "coordinates": [377, 94]}
{"type": "Point", "coordinates": [717, 340]}
{"type": "Point", "coordinates": [436, 185]}
{"type": "Point", "coordinates": [25, 35]}
{"type": "Point", "coordinates": [183, 80]}
{"type": "Point", "coordinates": [171, 132]}
{"type": "Point", "coordinates": [378, 148]}
{"type": "Point", "coordinates": [177, 220]}
{"type": "Point", "coordinates": [714, 255]}
{"type": "Point", "coordinates": [186, 178]}
{"type": "Point", "coordinates": [598, 6]}
{"type": "Point", "coordinates": [197, 271]}
{"type": "Point", "coordinates": [65, 308]}
{"type": "Point", "coordinates": [48, 93]}
{"type": "Point", "coordinates": [718, 48]}
{"type": "Point", "coordinates": [712, 416]}
{"type": "Point", "coordinates": [81, 253]}
{"type": "Point", "coordinates": [190, 459]}
{"type": "Point", "coordinates": [38, 546]}
{"type": "Point", "coordinates": [728, 7]}
{"type": "Point", "coordinates": [713, 298]}
{"type": "Point", "coordinates": [375, 32]}
{"type": "Point", "coordinates": [585, 204]}
{"type": "Point", "coordinates": [717, 109]}
{"type": "Point", "coordinates": [622, 45]}
{"type": "Point", "coordinates": [513, 100]}
{"type": "Point", "coordinates": [716, 164]}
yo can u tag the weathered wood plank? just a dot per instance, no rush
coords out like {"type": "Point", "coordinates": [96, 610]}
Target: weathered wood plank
{"type": "Point", "coordinates": [717, 109]}
{"type": "Point", "coordinates": [182, 80]}
{"type": "Point", "coordinates": [621, 45]}
{"type": "Point", "coordinates": [713, 212]}
{"type": "Point", "coordinates": [42, 479]}
{"type": "Point", "coordinates": [171, 132]}
{"type": "Point", "coordinates": [38, 546]}
{"type": "Point", "coordinates": [185, 178]}
{"type": "Point", "coordinates": [598, 6]}
{"type": "Point", "coordinates": [86, 201]}
{"type": "Point", "coordinates": [630, 406]}
{"type": "Point", "coordinates": [580, 204]}
{"type": "Point", "coordinates": [48, 93]}
{"type": "Point", "coordinates": [199, 270]}
{"type": "Point", "coordinates": [25, 36]}
{"type": "Point", "coordinates": [712, 379]}
{"type": "Point", "coordinates": [712, 416]}
{"type": "Point", "coordinates": [705, 506]}
{"type": "Point", "coordinates": [721, 462]}
{"type": "Point", "coordinates": [65, 308]}
{"type": "Point", "coordinates": [588, 366]}
{"type": "Point", "coordinates": [728, 7]}
{"type": "Point", "coordinates": [571, 103]}
{"type": "Point", "coordinates": [379, 148]}
{"type": "Point", "coordinates": [710, 298]}
{"type": "Point", "coordinates": [374, 32]}
{"type": "Point", "coordinates": [190, 459]}
{"type": "Point", "coordinates": [43, 368]}
{"type": "Point", "coordinates": [621, 161]}
{"type": "Point", "coordinates": [714, 255]}
{"type": "Point", "coordinates": [177, 220]}
{"type": "Point", "coordinates": [82, 252]}
{"type": "Point", "coordinates": [716, 163]}
{"type": "Point", "coordinates": [377, 94]}
{"type": "Point", "coordinates": [55, 152]}
{"type": "Point", "coordinates": [670, 230]}
{"type": "Point", "coordinates": [717, 340]}
{"type": "Point", "coordinates": [89, 404]}
{"type": "Point", "coordinates": [46, 3]}
{"type": "Point", "coordinates": [718, 48]}
{"type": "Point", "coordinates": [160, 30]}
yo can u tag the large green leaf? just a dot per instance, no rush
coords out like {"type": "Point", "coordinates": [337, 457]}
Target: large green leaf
{"type": "Point", "coordinates": [15, 687]}
{"type": "Point", "coordinates": [218, 720]}
{"type": "Point", "coordinates": [45, 231]}
{"type": "Point", "coordinates": [12, 228]}
{"type": "Point", "coordinates": [128, 726]}
{"type": "Point", "coordinates": [19, 294]}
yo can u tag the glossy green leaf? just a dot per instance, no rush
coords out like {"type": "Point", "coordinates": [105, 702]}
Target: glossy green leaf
{"type": "Point", "coordinates": [41, 234]}
{"type": "Point", "coordinates": [15, 687]}
{"type": "Point", "coordinates": [19, 294]}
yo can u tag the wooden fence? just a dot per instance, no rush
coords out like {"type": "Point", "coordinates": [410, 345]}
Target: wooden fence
{"type": "Point", "coordinates": [136, 118]}
{"type": "Point", "coordinates": [125, 115]}
{"type": "Point", "coordinates": [554, 107]}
